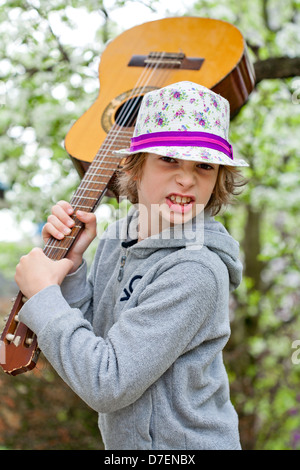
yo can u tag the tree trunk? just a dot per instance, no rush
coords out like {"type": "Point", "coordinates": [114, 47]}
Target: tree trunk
{"type": "Point", "coordinates": [277, 67]}
{"type": "Point", "coordinates": [244, 327]}
{"type": "Point", "coordinates": [252, 247]}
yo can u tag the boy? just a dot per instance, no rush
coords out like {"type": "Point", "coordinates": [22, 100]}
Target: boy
{"type": "Point", "coordinates": [141, 339]}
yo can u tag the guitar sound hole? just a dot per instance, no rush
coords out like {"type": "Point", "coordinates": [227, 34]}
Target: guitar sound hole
{"type": "Point", "coordinates": [127, 113]}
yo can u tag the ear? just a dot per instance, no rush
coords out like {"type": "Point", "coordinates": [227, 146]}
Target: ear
{"type": "Point", "coordinates": [128, 173]}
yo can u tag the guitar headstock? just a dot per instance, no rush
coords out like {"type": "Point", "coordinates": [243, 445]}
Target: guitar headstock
{"type": "Point", "coordinates": [18, 346]}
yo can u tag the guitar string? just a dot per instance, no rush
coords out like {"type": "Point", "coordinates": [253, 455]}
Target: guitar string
{"type": "Point", "coordinates": [111, 137]}
{"type": "Point", "coordinates": [124, 117]}
{"type": "Point", "coordinates": [107, 145]}
{"type": "Point", "coordinates": [131, 104]}
{"type": "Point", "coordinates": [82, 187]}
{"type": "Point", "coordinates": [84, 183]}
{"type": "Point", "coordinates": [50, 248]}
{"type": "Point", "coordinates": [125, 114]}
{"type": "Point", "coordinates": [114, 137]}
{"type": "Point", "coordinates": [114, 133]}
{"type": "Point", "coordinates": [98, 164]}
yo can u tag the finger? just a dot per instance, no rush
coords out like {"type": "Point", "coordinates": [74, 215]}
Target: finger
{"type": "Point", "coordinates": [65, 267]}
{"type": "Point", "coordinates": [35, 254]}
{"type": "Point", "coordinates": [66, 206]}
{"type": "Point", "coordinates": [37, 251]}
{"type": "Point", "coordinates": [62, 213]}
{"type": "Point", "coordinates": [90, 221]}
{"type": "Point", "coordinates": [59, 222]}
{"type": "Point", "coordinates": [61, 226]}
{"type": "Point", "coordinates": [55, 228]}
{"type": "Point", "coordinates": [57, 225]}
{"type": "Point", "coordinates": [86, 217]}
{"type": "Point", "coordinates": [49, 230]}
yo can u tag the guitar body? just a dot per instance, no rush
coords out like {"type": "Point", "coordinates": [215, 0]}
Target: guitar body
{"type": "Point", "coordinates": [155, 54]}
{"type": "Point", "coordinates": [225, 69]}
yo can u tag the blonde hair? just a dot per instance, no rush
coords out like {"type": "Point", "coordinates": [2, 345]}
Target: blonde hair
{"type": "Point", "coordinates": [229, 179]}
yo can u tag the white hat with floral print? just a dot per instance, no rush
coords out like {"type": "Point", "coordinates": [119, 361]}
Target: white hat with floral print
{"type": "Point", "coordinates": [185, 121]}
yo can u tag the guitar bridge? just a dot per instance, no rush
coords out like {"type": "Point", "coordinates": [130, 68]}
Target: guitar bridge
{"type": "Point", "coordinates": [172, 60]}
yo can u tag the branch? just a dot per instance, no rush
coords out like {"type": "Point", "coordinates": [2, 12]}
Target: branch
{"type": "Point", "coordinates": [266, 18]}
{"type": "Point", "coordinates": [105, 30]}
{"type": "Point", "coordinates": [277, 67]}
{"type": "Point", "coordinates": [27, 6]}
{"type": "Point", "coordinates": [62, 50]}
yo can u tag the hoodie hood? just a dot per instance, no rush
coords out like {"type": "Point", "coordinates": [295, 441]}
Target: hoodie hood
{"type": "Point", "coordinates": [218, 240]}
{"type": "Point", "coordinates": [201, 231]}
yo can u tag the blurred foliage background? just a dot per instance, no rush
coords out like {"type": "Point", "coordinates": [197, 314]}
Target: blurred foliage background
{"type": "Point", "coordinates": [48, 78]}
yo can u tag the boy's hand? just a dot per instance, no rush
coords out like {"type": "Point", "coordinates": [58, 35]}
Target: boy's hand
{"type": "Point", "coordinates": [59, 225]}
{"type": "Point", "coordinates": [36, 271]}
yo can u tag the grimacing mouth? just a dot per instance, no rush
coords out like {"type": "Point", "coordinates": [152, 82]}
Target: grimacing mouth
{"type": "Point", "coordinates": [181, 199]}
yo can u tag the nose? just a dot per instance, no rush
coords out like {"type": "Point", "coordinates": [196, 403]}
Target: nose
{"type": "Point", "coordinates": [185, 177]}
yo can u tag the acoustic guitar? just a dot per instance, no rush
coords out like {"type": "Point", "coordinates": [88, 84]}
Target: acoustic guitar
{"type": "Point", "coordinates": [149, 56]}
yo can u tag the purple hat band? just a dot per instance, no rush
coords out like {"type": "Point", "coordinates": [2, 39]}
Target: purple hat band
{"type": "Point", "coordinates": [181, 139]}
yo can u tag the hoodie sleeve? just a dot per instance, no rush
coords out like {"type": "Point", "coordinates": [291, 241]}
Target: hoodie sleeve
{"type": "Point", "coordinates": [111, 373]}
{"type": "Point", "coordinates": [77, 290]}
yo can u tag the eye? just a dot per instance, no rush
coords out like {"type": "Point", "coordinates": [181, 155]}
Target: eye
{"type": "Point", "coordinates": [168, 159]}
{"type": "Point", "coordinates": [205, 166]}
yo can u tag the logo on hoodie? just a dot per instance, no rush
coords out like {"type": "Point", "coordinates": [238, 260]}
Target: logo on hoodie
{"type": "Point", "coordinates": [130, 287]}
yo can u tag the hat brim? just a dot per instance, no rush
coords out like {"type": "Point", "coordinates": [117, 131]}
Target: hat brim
{"type": "Point", "coordinates": [197, 154]}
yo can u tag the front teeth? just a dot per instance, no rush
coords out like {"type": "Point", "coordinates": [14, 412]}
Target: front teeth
{"type": "Point", "coordinates": [180, 200]}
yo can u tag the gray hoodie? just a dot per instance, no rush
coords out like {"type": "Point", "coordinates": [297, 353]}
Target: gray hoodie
{"type": "Point", "coordinates": [140, 339]}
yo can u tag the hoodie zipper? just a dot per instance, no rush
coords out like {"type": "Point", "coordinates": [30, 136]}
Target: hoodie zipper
{"type": "Point", "coordinates": [122, 265]}
{"type": "Point", "coordinates": [125, 247]}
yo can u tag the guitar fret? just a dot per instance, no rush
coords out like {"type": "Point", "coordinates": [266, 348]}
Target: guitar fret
{"type": "Point", "coordinates": [88, 189]}
{"type": "Point", "coordinates": [117, 131]}
{"type": "Point", "coordinates": [109, 155]}
{"type": "Point", "coordinates": [97, 171]}
{"type": "Point", "coordinates": [121, 142]}
{"type": "Point", "coordinates": [56, 247]}
{"type": "Point", "coordinates": [111, 148]}
{"type": "Point", "coordinates": [79, 205]}
{"type": "Point", "coordinates": [86, 197]}
{"type": "Point", "coordinates": [102, 167]}
{"type": "Point", "coordinates": [98, 182]}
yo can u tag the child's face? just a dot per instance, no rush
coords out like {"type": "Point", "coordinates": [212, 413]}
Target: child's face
{"type": "Point", "coordinates": [177, 189]}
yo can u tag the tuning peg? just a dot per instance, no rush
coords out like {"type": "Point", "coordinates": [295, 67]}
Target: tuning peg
{"type": "Point", "coordinates": [10, 337]}
{"type": "Point", "coordinates": [14, 339]}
